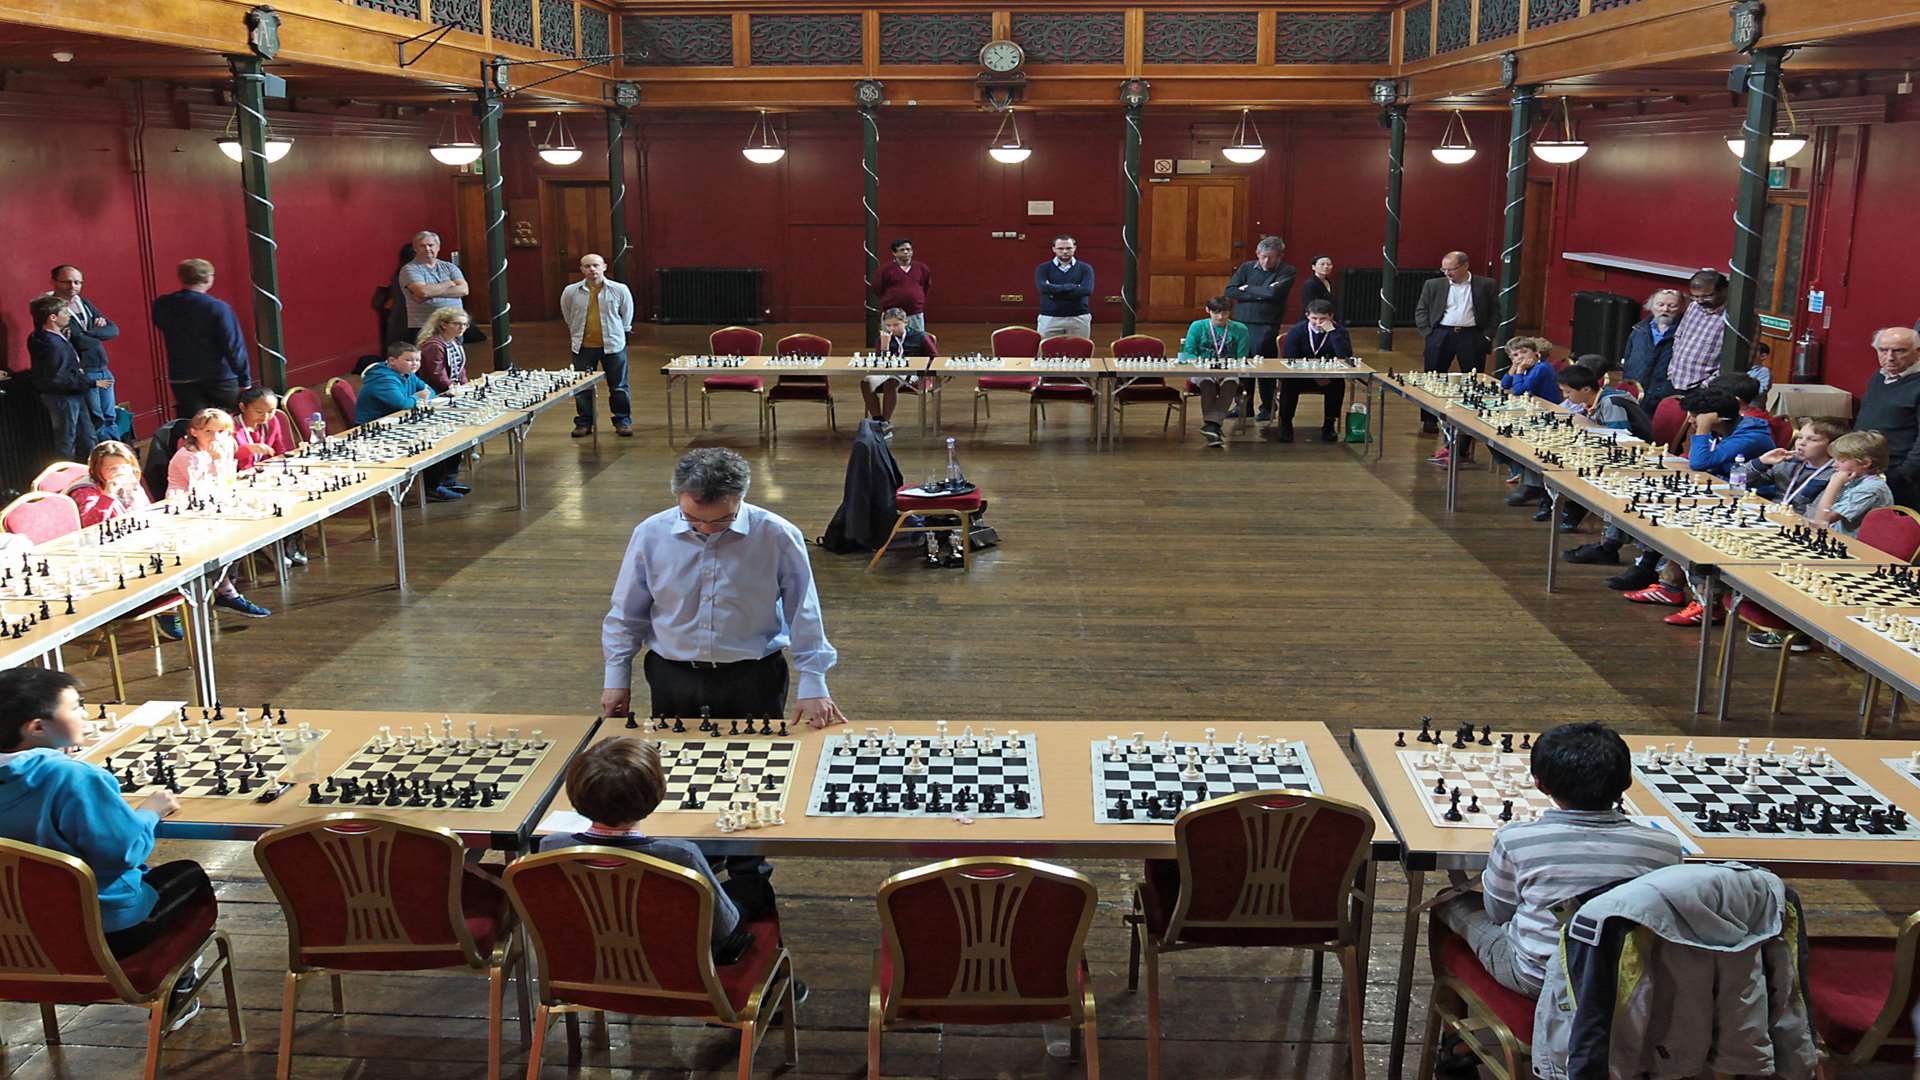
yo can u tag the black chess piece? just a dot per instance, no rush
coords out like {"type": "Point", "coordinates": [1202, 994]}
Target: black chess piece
{"type": "Point", "coordinates": [831, 804]}
{"type": "Point", "coordinates": [679, 726]}
{"type": "Point", "coordinates": [1473, 803]}
{"type": "Point", "coordinates": [1486, 735]}
{"type": "Point", "coordinates": [314, 796]}
{"type": "Point", "coordinates": [1400, 739]}
{"type": "Point", "coordinates": [631, 722]}
{"type": "Point", "coordinates": [1526, 741]}
{"type": "Point", "coordinates": [1506, 742]}
{"type": "Point", "coordinates": [1426, 730]}
{"type": "Point", "coordinates": [733, 727]}
{"type": "Point", "coordinates": [1440, 786]}
{"type": "Point", "coordinates": [783, 729]}
{"type": "Point", "coordinates": [1506, 810]}
{"type": "Point", "coordinates": [766, 725]}
{"type": "Point", "coordinates": [1453, 808]}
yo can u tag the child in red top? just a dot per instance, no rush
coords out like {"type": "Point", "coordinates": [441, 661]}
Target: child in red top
{"type": "Point", "coordinates": [111, 487]}
{"type": "Point", "coordinates": [264, 432]}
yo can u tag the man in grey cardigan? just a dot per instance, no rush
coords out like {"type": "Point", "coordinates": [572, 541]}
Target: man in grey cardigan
{"type": "Point", "coordinates": [1259, 291]}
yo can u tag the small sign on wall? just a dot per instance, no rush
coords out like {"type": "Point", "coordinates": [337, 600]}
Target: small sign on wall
{"type": "Point", "coordinates": [1163, 166]}
{"type": "Point", "coordinates": [1194, 166]}
{"type": "Point", "coordinates": [1039, 207]}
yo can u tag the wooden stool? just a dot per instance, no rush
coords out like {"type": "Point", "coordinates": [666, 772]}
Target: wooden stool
{"type": "Point", "coordinates": [956, 510]}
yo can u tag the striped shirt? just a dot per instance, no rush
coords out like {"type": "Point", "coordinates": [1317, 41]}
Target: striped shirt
{"type": "Point", "coordinates": [1537, 864]}
{"type": "Point", "coordinates": [1696, 348]}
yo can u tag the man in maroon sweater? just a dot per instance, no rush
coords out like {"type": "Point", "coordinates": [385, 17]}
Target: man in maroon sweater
{"type": "Point", "coordinates": [903, 284]}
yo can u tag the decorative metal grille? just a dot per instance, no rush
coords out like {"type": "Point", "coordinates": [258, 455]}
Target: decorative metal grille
{"type": "Point", "coordinates": [1453, 25]}
{"type": "Point", "coordinates": [1547, 12]}
{"type": "Point", "coordinates": [513, 21]}
{"type": "Point", "coordinates": [1419, 28]}
{"type": "Point", "coordinates": [677, 40]}
{"type": "Point", "coordinates": [1332, 39]}
{"type": "Point", "coordinates": [556, 27]}
{"type": "Point", "coordinates": [460, 14]}
{"type": "Point", "coordinates": [593, 32]}
{"type": "Point", "coordinates": [805, 39]}
{"type": "Point", "coordinates": [947, 38]}
{"type": "Point", "coordinates": [1202, 37]}
{"type": "Point", "coordinates": [1072, 37]}
{"type": "Point", "coordinates": [1499, 18]}
{"type": "Point", "coordinates": [1609, 5]}
{"type": "Point", "coordinates": [409, 8]}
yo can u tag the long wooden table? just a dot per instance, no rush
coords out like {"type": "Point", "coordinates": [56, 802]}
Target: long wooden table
{"type": "Point", "coordinates": [1830, 625]}
{"type": "Point", "coordinates": [507, 826]}
{"type": "Point", "coordinates": [1426, 848]}
{"type": "Point", "coordinates": [682, 370]}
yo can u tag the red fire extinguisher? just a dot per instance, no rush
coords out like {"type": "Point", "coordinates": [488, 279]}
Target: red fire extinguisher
{"type": "Point", "coordinates": [1806, 358]}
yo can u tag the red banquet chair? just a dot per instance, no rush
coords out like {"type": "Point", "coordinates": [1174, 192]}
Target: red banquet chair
{"type": "Point", "coordinates": [812, 388]}
{"type": "Point", "coordinates": [735, 341]}
{"type": "Point", "coordinates": [1063, 389]}
{"type": "Point", "coordinates": [1668, 418]}
{"type": "Point", "coordinates": [1892, 529]}
{"type": "Point", "coordinates": [363, 893]}
{"type": "Point", "coordinates": [1014, 341]}
{"type": "Point", "coordinates": [1860, 993]}
{"type": "Point", "coordinates": [40, 516]}
{"type": "Point", "coordinates": [1262, 869]}
{"type": "Point", "coordinates": [302, 406]}
{"type": "Point", "coordinates": [345, 400]}
{"type": "Point", "coordinates": [955, 513]}
{"type": "Point", "coordinates": [59, 476]}
{"type": "Point", "coordinates": [617, 931]}
{"type": "Point", "coordinates": [1493, 1022]}
{"type": "Point", "coordinates": [983, 940]}
{"type": "Point", "coordinates": [1149, 390]}
{"type": "Point", "coordinates": [925, 386]}
{"type": "Point", "coordinates": [56, 952]}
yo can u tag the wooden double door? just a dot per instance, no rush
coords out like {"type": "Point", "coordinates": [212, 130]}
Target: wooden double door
{"type": "Point", "coordinates": [572, 217]}
{"type": "Point", "coordinates": [1194, 228]}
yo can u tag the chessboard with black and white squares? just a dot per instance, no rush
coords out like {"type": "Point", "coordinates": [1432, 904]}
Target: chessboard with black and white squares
{"type": "Point", "coordinates": [214, 760]}
{"type": "Point", "coordinates": [1138, 781]}
{"type": "Point", "coordinates": [440, 773]}
{"type": "Point", "coordinates": [718, 773]}
{"type": "Point", "coordinates": [1798, 794]}
{"type": "Point", "coordinates": [890, 775]}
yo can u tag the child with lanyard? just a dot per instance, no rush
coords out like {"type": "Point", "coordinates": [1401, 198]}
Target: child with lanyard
{"type": "Point", "coordinates": [898, 338]}
{"type": "Point", "coordinates": [1317, 336]}
{"type": "Point", "coordinates": [1216, 337]}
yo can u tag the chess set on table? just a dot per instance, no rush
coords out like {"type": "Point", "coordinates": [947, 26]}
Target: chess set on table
{"type": "Point", "coordinates": [66, 576]}
{"type": "Point", "coordinates": [945, 776]}
{"type": "Point", "coordinates": [1138, 782]}
{"type": "Point", "coordinates": [1787, 542]}
{"type": "Point", "coordinates": [1473, 782]}
{"type": "Point", "coordinates": [1698, 515]}
{"type": "Point", "coordinates": [1320, 363]}
{"type": "Point", "coordinates": [1799, 795]}
{"type": "Point", "coordinates": [703, 363]}
{"type": "Point", "coordinates": [877, 362]}
{"type": "Point", "coordinates": [1062, 363]}
{"type": "Point", "coordinates": [973, 362]}
{"type": "Point", "coordinates": [1445, 385]}
{"type": "Point", "coordinates": [1656, 486]}
{"type": "Point", "coordinates": [444, 772]}
{"type": "Point", "coordinates": [1888, 585]}
{"type": "Point", "coordinates": [796, 361]}
{"type": "Point", "coordinates": [519, 388]}
{"type": "Point", "coordinates": [210, 758]}
{"type": "Point", "coordinates": [1901, 630]}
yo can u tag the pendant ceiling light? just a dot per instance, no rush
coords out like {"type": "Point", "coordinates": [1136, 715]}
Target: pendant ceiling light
{"type": "Point", "coordinates": [558, 147]}
{"type": "Point", "coordinates": [229, 142]}
{"type": "Point", "coordinates": [1455, 150]}
{"type": "Point", "coordinates": [449, 148]}
{"type": "Point", "coordinates": [1008, 151]}
{"type": "Point", "coordinates": [767, 149]}
{"type": "Point", "coordinates": [1561, 151]}
{"type": "Point", "coordinates": [1246, 147]}
{"type": "Point", "coordinates": [1785, 142]}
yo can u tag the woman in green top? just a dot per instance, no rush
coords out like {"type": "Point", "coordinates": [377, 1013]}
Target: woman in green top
{"type": "Point", "coordinates": [1216, 337]}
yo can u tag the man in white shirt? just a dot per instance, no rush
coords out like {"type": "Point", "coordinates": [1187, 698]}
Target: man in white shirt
{"type": "Point", "coordinates": [599, 313]}
{"type": "Point", "coordinates": [1455, 319]}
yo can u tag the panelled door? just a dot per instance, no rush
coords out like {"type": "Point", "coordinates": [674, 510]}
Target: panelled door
{"type": "Point", "coordinates": [579, 221]}
{"type": "Point", "coordinates": [1194, 231]}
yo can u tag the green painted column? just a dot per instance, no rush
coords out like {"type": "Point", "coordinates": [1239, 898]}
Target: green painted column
{"type": "Point", "coordinates": [1518, 141]}
{"type": "Point", "coordinates": [1749, 211]}
{"type": "Point", "coordinates": [617, 194]}
{"type": "Point", "coordinates": [250, 101]}
{"type": "Point", "coordinates": [1133, 94]}
{"type": "Point", "coordinates": [870, 208]}
{"type": "Point", "coordinates": [496, 210]}
{"type": "Point", "coordinates": [1396, 121]}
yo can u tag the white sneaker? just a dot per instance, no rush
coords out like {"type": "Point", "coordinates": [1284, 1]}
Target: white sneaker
{"type": "Point", "coordinates": [186, 1017]}
{"type": "Point", "coordinates": [1059, 1036]}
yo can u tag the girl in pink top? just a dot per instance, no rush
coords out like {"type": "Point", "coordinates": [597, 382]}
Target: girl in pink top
{"type": "Point", "coordinates": [207, 459]}
{"type": "Point", "coordinates": [265, 433]}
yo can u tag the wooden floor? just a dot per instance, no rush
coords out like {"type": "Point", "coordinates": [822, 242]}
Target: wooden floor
{"type": "Point", "coordinates": [1259, 583]}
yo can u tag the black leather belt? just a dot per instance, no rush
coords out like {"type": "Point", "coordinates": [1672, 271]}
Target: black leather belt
{"type": "Point", "coordinates": [710, 665]}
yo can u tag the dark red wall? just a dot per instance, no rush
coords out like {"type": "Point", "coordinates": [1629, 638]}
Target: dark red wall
{"type": "Point", "coordinates": [68, 193]}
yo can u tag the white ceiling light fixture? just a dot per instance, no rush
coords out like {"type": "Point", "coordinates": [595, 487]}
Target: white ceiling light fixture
{"type": "Point", "coordinates": [768, 149]}
{"type": "Point", "coordinates": [1008, 151]}
{"type": "Point", "coordinates": [229, 141]}
{"type": "Point", "coordinates": [1562, 151]}
{"type": "Point", "coordinates": [558, 147]}
{"type": "Point", "coordinates": [449, 148]}
{"type": "Point", "coordinates": [1452, 151]}
{"type": "Point", "coordinates": [1785, 142]}
{"type": "Point", "coordinates": [62, 56]}
{"type": "Point", "coordinates": [1246, 147]}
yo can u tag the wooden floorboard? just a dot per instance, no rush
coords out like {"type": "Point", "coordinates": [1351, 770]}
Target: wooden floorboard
{"type": "Point", "coordinates": [1161, 582]}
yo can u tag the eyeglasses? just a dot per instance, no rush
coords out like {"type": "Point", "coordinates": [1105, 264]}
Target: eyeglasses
{"type": "Point", "coordinates": [719, 522]}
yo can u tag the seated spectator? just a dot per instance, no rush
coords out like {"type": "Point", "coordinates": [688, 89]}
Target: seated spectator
{"type": "Point", "coordinates": [52, 799]}
{"type": "Point", "coordinates": [1856, 487]}
{"type": "Point", "coordinates": [1315, 336]}
{"type": "Point", "coordinates": [1650, 347]}
{"type": "Point", "coordinates": [1891, 406]}
{"type": "Point", "coordinates": [60, 380]}
{"type": "Point", "coordinates": [396, 386]}
{"type": "Point", "coordinates": [443, 359]}
{"type": "Point", "coordinates": [1584, 843]}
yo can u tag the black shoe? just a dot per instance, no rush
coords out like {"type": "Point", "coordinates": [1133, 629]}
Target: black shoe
{"type": "Point", "coordinates": [1543, 513]}
{"type": "Point", "coordinates": [581, 431]}
{"type": "Point", "coordinates": [1593, 555]}
{"type": "Point", "coordinates": [1286, 432]}
{"type": "Point", "coordinates": [1211, 433]}
{"type": "Point", "coordinates": [458, 489]}
{"type": "Point", "coordinates": [1264, 416]}
{"type": "Point", "coordinates": [1523, 495]}
{"type": "Point", "coordinates": [1327, 433]}
{"type": "Point", "coordinates": [800, 993]}
{"type": "Point", "coordinates": [1633, 578]}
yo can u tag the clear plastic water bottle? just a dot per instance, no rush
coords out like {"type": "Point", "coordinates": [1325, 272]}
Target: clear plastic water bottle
{"type": "Point", "coordinates": [317, 429]}
{"type": "Point", "coordinates": [954, 479]}
{"type": "Point", "coordinates": [1738, 477]}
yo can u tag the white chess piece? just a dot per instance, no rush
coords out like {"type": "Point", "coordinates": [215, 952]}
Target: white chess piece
{"type": "Point", "coordinates": [1209, 749]}
{"type": "Point", "coordinates": [915, 763]}
{"type": "Point", "coordinates": [386, 736]}
{"type": "Point", "coordinates": [1192, 769]}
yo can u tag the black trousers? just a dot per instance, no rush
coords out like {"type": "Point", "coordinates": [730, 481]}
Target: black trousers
{"type": "Point", "coordinates": [737, 691]}
{"type": "Point", "coordinates": [1264, 339]}
{"type": "Point", "coordinates": [177, 883]}
{"type": "Point", "coordinates": [191, 397]}
{"type": "Point", "coordinates": [1335, 395]}
{"type": "Point", "coordinates": [1449, 344]}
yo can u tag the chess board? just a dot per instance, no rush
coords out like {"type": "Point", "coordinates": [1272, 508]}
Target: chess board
{"type": "Point", "coordinates": [796, 361]}
{"type": "Point", "coordinates": [1658, 486]}
{"type": "Point", "coordinates": [1900, 630]}
{"type": "Point", "coordinates": [882, 363]}
{"type": "Point", "coordinates": [1156, 790]}
{"type": "Point", "coordinates": [702, 363]}
{"type": "Point", "coordinates": [200, 759]}
{"type": "Point", "coordinates": [1062, 363]}
{"type": "Point", "coordinates": [1701, 515]}
{"type": "Point", "coordinates": [849, 763]}
{"type": "Point", "coordinates": [62, 576]}
{"type": "Point", "coordinates": [1692, 786]}
{"type": "Point", "coordinates": [1494, 778]}
{"type": "Point", "coordinates": [1908, 767]}
{"type": "Point", "coordinates": [1785, 543]}
{"type": "Point", "coordinates": [1447, 385]}
{"type": "Point", "coordinates": [1883, 586]}
{"type": "Point", "coordinates": [1329, 363]}
{"type": "Point", "coordinates": [974, 363]}
{"type": "Point", "coordinates": [448, 765]}
{"type": "Point", "coordinates": [764, 769]}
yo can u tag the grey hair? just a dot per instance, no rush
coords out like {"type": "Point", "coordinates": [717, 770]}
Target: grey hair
{"type": "Point", "coordinates": [1271, 243]}
{"type": "Point", "coordinates": [1658, 293]}
{"type": "Point", "coordinates": [712, 473]}
{"type": "Point", "coordinates": [427, 232]}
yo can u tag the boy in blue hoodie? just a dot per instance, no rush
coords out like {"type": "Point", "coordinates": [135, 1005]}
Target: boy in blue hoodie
{"type": "Point", "coordinates": [55, 801]}
{"type": "Point", "coordinates": [1529, 374]}
{"type": "Point", "coordinates": [396, 386]}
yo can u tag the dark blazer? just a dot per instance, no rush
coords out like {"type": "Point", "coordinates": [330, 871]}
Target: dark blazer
{"type": "Point", "coordinates": [56, 366]}
{"type": "Point", "coordinates": [1433, 304]}
{"type": "Point", "coordinates": [89, 340]}
{"type": "Point", "coordinates": [204, 343]}
{"type": "Point", "coordinates": [1315, 289]}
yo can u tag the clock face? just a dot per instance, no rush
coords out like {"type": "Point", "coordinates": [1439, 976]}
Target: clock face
{"type": "Point", "coordinates": [1001, 56]}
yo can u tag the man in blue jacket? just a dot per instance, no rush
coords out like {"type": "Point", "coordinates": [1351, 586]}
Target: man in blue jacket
{"type": "Point", "coordinates": [206, 353]}
{"type": "Point", "coordinates": [1650, 347]}
{"type": "Point", "coordinates": [1065, 285]}
{"type": "Point", "coordinates": [53, 800]}
{"type": "Point", "coordinates": [59, 379]}
{"type": "Point", "coordinates": [396, 386]}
